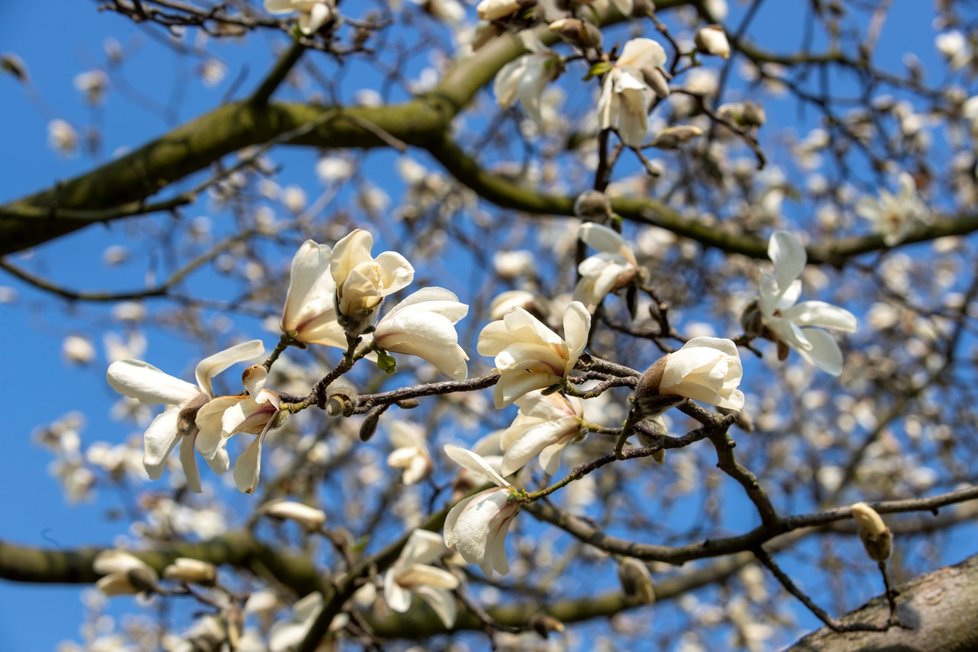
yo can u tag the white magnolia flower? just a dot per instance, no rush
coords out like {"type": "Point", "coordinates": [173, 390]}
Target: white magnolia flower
{"type": "Point", "coordinates": [313, 14]}
{"type": "Point", "coordinates": [363, 281]}
{"type": "Point", "coordinates": [309, 314]}
{"type": "Point", "coordinates": [78, 349]}
{"type": "Point", "coordinates": [450, 11]}
{"type": "Point", "coordinates": [412, 573]}
{"type": "Point", "coordinates": [122, 573]}
{"type": "Point", "coordinates": [531, 356]}
{"type": "Point", "coordinates": [799, 325]}
{"type": "Point", "coordinates": [308, 517]}
{"type": "Point", "coordinates": [192, 571]}
{"type": "Point", "coordinates": [625, 96]}
{"type": "Point", "coordinates": [286, 635]}
{"type": "Point", "coordinates": [93, 85]}
{"type": "Point", "coordinates": [424, 325]}
{"type": "Point", "coordinates": [612, 268]}
{"type": "Point", "coordinates": [705, 369]}
{"type": "Point", "coordinates": [496, 9]}
{"type": "Point", "coordinates": [476, 526]}
{"type": "Point", "coordinates": [255, 413]}
{"type": "Point", "coordinates": [62, 137]}
{"type": "Point", "coordinates": [894, 216]}
{"type": "Point", "coordinates": [511, 299]}
{"type": "Point", "coordinates": [410, 451]}
{"type": "Point", "coordinates": [544, 426]}
{"type": "Point", "coordinates": [147, 384]}
{"type": "Point", "coordinates": [526, 77]}
{"type": "Point", "coordinates": [713, 40]}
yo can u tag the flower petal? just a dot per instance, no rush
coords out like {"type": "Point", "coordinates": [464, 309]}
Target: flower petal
{"type": "Point", "coordinates": [215, 364]}
{"type": "Point", "coordinates": [159, 439]}
{"type": "Point", "coordinates": [474, 463]}
{"type": "Point", "coordinates": [147, 384]}
{"type": "Point", "coordinates": [822, 314]}
{"type": "Point", "coordinates": [189, 463]}
{"type": "Point", "coordinates": [788, 255]}
{"type": "Point", "coordinates": [577, 326]}
{"type": "Point", "coordinates": [824, 352]}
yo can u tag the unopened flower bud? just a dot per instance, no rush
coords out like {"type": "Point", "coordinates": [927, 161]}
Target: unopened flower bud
{"type": "Point", "coordinates": [592, 205]}
{"type": "Point", "coordinates": [712, 40]}
{"type": "Point", "coordinates": [658, 80]}
{"type": "Point", "coordinates": [876, 537]}
{"type": "Point", "coordinates": [577, 32]}
{"type": "Point", "coordinates": [309, 517]}
{"type": "Point", "coordinates": [369, 425]}
{"type": "Point", "coordinates": [636, 581]}
{"type": "Point", "coordinates": [743, 114]}
{"type": "Point", "coordinates": [191, 571]}
{"type": "Point", "coordinates": [673, 137]}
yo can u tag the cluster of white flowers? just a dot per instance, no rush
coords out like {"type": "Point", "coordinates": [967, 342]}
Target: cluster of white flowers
{"type": "Point", "coordinates": [334, 295]}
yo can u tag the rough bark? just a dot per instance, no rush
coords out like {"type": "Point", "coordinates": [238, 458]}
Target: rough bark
{"type": "Point", "coordinates": [937, 611]}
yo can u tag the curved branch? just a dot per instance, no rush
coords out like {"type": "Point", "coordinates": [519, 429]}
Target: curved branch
{"type": "Point", "coordinates": [38, 565]}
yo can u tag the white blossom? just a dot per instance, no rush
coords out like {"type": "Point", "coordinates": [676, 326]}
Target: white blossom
{"type": "Point", "coordinates": [713, 40]}
{"type": "Point", "coordinates": [179, 422]}
{"type": "Point", "coordinates": [799, 325]}
{"type": "Point", "coordinates": [544, 426]}
{"type": "Point", "coordinates": [496, 9]}
{"type": "Point", "coordinates": [309, 314]}
{"type": "Point", "coordinates": [705, 369]}
{"type": "Point", "coordinates": [894, 216]}
{"type": "Point", "coordinates": [625, 95]}
{"type": "Point", "coordinates": [308, 517]}
{"type": "Point", "coordinates": [122, 573]}
{"type": "Point", "coordinates": [476, 526]}
{"type": "Point", "coordinates": [410, 451]}
{"type": "Point", "coordinates": [192, 571]}
{"type": "Point", "coordinates": [526, 77]}
{"type": "Point", "coordinates": [413, 574]}
{"type": "Point", "coordinates": [424, 325]}
{"type": "Point", "coordinates": [313, 14]}
{"type": "Point", "coordinates": [528, 354]}
{"type": "Point", "coordinates": [612, 268]}
{"type": "Point", "coordinates": [363, 281]}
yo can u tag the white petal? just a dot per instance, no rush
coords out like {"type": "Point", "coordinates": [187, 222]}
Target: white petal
{"type": "Point", "coordinates": [577, 325]}
{"type": "Point", "coordinates": [423, 547]}
{"type": "Point", "coordinates": [215, 364]}
{"type": "Point", "coordinates": [824, 352]}
{"type": "Point", "coordinates": [535, 440]}
{"type": "Point", "coordinates": [429, 336]}
{"type": "Point", "coordinates": [642, 53]}
{"type": "Point", "coordinates": [189, 463]}
{"type": "Point", "coordinates": [602, 238]}
{"type": "Point", "coordinates": [147, 384]}
{"type": "Point", "coordinates": [511, 386]}
{"type": "Point", "coordinates": [208, 421]}
{"type": "Point", "coordinates": [507, 80]}
{"type": "Point", "coordinates": [248, 467]}
{"type": "Point", "coordinates": [824, 315]}
{"type": "Point", "coordinates": [397, 597]}
{"type": "Point", "coordinates": [442, 602]}
{"type": "Point", "coordinates": [311, 288]}
{"type": "Point", "coordinates": [397, 272]}
{"type": "Point", "coordinates": [474, 463]}
{"type": "Point", "coordinates": [788, 255]}
{"type": "Point", "coordinates": [159, 440]}
{"type": "Point", "coordinates": [474, 525]}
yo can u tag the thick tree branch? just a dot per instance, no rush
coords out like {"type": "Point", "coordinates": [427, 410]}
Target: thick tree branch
{"type": "Point", "coordinates": [937, 611]}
